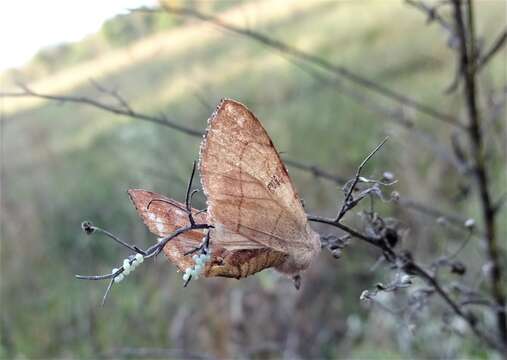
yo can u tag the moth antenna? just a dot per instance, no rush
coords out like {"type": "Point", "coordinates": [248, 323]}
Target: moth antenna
{"type": "Point", "coordinates": [108, 289]}
{"type": "Point", "coordinates": [165, 201]}
{"type": "Point", "coordinates": [89, 228]}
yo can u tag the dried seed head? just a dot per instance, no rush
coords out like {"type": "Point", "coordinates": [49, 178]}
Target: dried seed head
{"type": "Point", "coordinates": [126, 265]}
{"type": "Point", "coordinates": [337, 253]}
{"type": "Point", "coordinates": [392, 237]}
{"type": "Point", "coordinates": [365, 295]}
{"type": "Point", "coordinates": [87, 227]}
{"type": "Point", "coordinates": [406, 279]}
{"type": "Point", "coordinates": [380, 286]}
{"type": "Point", "coordinates": [470, 223]}
{"type": "Point", "coordinates": [458, 268]}
{"type": "Point", "coordinates": [388, 176]}
{"type": "Point", "coordinates": [139, 258]}
{"type": "Point", "coordinates": [441, 220]}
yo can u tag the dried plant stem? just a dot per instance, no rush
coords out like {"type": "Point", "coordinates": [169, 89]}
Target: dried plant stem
{"type": "Point", "coordinates": [490, 53]}
{"type": "Point", "coordinates": [412, 267]}
{"type": "Point", "coordinates": [315, 170]}
{"type": "Point", "coordinates": [119, 110]}
{"type": "Point", "coordinates": [318, 62]}
{"type": "Point", "coordinates": [468, 55]}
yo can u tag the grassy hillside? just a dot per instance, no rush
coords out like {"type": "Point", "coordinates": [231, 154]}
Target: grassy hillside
{"type": "Point", "coordinates": [63, 163]}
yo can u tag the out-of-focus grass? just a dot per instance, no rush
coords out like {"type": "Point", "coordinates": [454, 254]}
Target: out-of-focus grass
{"type": "Point", "coordinates": [66, 163]}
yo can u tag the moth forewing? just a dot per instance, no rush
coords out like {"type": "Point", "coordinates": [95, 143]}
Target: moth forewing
{"type": "Point", "coordinates": [249, 191]}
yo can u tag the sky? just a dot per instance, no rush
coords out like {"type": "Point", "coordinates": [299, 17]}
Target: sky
{"type": "Point", "coordinates": [26, 26]}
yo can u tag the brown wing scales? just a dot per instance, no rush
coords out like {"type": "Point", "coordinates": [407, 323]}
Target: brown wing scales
{"type": "Point", "coordinates": [248, 188]}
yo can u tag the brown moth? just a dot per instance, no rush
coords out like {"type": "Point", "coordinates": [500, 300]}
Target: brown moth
{"type": "Point", "coordinates": [257, 215]}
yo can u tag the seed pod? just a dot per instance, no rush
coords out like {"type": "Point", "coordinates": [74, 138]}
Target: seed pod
{"type": "Point", "coordinates": [87, 227]}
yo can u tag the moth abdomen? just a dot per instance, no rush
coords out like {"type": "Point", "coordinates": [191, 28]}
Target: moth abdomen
{"type": "Point", "coordinates": [242, 263]}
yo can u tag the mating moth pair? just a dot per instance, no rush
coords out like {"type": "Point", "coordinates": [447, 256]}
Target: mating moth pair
{"type": "Point", "coordinates": [254, 215]}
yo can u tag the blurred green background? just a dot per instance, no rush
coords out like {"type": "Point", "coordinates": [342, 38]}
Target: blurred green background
{"type": "Point", "coordinates": [64, 163]}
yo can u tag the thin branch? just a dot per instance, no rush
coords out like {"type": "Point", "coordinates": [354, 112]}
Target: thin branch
{"type": "Point", "coordinates": [108, 289]}
{"type": "Point", "coordinates": [316, 171]}
{"type": "Point", "coordinates": [313, 169]}
{"type": "Point", "coordinates": [467, 316]}
{"type": "Point", "coordinates": [404, 201]}
{"type": "Point", "coordinates": [412, 267]}
{"type": "Point", "coordinates": [495, 47]}
{"type": "Point", "coordinates": [432, 212]}
{"type": "Point", "coordinates": [369, 239]}
{"type": "Point", "coordinates": [188, 197]}
{"type": "Point", "coordinates": [150, 252]}
{"type": "Point", "coordinates": [432, 14]}
{"type": "Point", "coordinates": [467, 55]}
{"type": "Point", "coordinates": [316, 61]}
{"type": "Point", "coordinates": [398, 116]}
{"type": "Point", "coordinates": [113, 93]}
{"type": "Point", "coordinates": [348, 202]}
{"type": "Point", "coordinates": [27, 92]}
{"type": "Point", "coordinates": [89, 228]}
